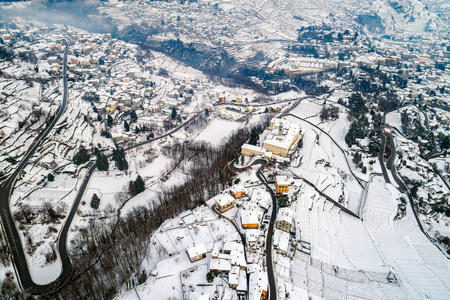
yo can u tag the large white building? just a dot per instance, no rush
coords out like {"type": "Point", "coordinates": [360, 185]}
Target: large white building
{"type": "Point", "coordinates": [278, 139]}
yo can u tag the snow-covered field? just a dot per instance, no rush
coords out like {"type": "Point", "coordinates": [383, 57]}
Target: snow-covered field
{"type": "Point", "coordinates": [420, 267]}
{"type": "Point", "coordinates": [377, 258]}
{"type": "Point", "coordinates": [324, 164]}
{"type": "Point", "coordinates": [217, 131]}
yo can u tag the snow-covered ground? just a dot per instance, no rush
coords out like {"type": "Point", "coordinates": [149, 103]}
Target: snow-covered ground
{"type": "Point", "coordinates": [420, 267]}
{"type": "Point", "coordinates": [218, 130]}
{"type": "Point", "coordinates": [377, 258]}
{"type": "Point", "coordinates": [167, 259]}
{"type": "Point", "coordinates": [324, 164]}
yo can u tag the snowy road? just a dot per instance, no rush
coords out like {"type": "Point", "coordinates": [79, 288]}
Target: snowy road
{"type": "Point", "coordinates": [11, 232]}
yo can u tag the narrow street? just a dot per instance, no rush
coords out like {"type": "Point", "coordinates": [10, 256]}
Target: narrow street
{"type": "Point", "coordinates": [269, 238]}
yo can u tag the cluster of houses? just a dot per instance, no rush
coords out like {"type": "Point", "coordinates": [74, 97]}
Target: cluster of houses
{"type": "Point", "coordinates": [243, 261]}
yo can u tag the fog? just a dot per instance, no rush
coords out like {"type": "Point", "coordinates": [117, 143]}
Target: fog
{"type": "Point", "coordinates": [81, 14]}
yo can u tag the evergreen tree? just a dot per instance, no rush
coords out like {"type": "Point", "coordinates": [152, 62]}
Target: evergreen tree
{"type": "Point", "coordinates": [174, 113]}
{"type": "Point", "coordinates": [50, 177]}
{"type": "Point", "coordinates": [126, 126]}
{"type": "Point", "coordinates": [102, 162]}
{"type": "Point", "coordinates": [356, 104]}
{"type": "Point", "coordinates": [414, 190]}
{"type": "Point", "coordinates": [109, 120]}
{"type": "Point", "coordinates": [254, 137]}
{"type": "Point", "coordinates": [132, 188]}
{"type": "Point", "coordinates": [95, 201]}
{"type": "Point", "coordinates": [445, 143]}
{"type": "Point", "coordinates": [118, 156]}
{"type": "Point", "coordinates": [133, 116]}
{"type": "Point", "coordinates": [81, 156]}
{"type": "Point", "coordinates": [206, 112]}
{"type": "Point", "coordinates": [357, 158]}
{"type": "Point", "coordinates": [139, 184]}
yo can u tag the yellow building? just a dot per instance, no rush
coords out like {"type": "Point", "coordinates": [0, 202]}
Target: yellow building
{"type": "Point", "coordinates": [238, 100]}
{"type": "Point", "coordinates": [251, 150]}
{"type": "Point", "coordinates": [249, 219]}
{"type": "Point", "coordinates": [281, 184]}
{"type": "Point", "coordinates": [283, 134]}
{"type": "Point", "coordinates": [111, 108]}
{"type": "Point", "coordinates": [225, 203]}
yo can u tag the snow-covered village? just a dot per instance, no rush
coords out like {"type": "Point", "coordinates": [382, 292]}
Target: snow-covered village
{"type": "Point", "coordinates": [226, 150]}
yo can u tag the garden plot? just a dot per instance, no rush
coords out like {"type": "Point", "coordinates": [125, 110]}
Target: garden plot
{"type": "Point", "coordinates": [337, 129]}
{"type": "Point", "coordinates": [308, 110]}
{"type": "Point", "coordinates": [394, 119]}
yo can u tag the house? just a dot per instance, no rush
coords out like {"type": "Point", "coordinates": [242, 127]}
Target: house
{"type": "Point", "coordinates": [281, 241]}
{"type": "Point", "coordinates": [251, 237]}
{"type": "Point", "coordinates": [233, 277]}
{"type": "Point", "coordinates": [220, 265]}
{"type": "Point", "coordinates": [281, 184]}
{"type": "Point", "coordinates": [284, 219]}
{"type": "Point", "coordinates": [221, 99]}
{"type": "Point", "coordinates": [251, 150]}
{"type": "Point", "coordinates": [197, 252]}
{"type": "Point", "coordinates": [241, 289]}
{"type": "Point", "coordinates": [237, 255]}
{"type": "Point", "coordinates": [258, 284]}
{"type": "Point", "coordinates": [249, 219]}
{"type": "Point", "coordinates": [47, 162]}
{"type": "Point", "coordinates": [225, 203]}
{"type": "Point", "coordinates": [237, 191]}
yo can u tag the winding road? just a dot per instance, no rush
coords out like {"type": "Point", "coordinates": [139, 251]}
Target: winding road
{"type": "Point", "coordinates": [403, 188]}
{"type": "Point", "coordinates": [10, 229]}
{"type": "Point", "coordinates": [11, 232]}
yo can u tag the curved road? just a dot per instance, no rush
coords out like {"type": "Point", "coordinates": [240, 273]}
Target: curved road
{"type": "Point", "coordinates": [381, 154]}
{"type": "Point", "coordinates": [11, 232]}
{"type": "Point", "coordinates": [332, 139]}
{"type": "Point", "coordinates": [403, 188]}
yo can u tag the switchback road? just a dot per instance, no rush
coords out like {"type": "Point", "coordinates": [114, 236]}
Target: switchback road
{"type": "Point", "coordinates": [11, 232]}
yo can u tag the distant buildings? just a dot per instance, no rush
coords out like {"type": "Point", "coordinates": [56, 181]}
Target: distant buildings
{"type": "Point", "coordinates": [295, 65]}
